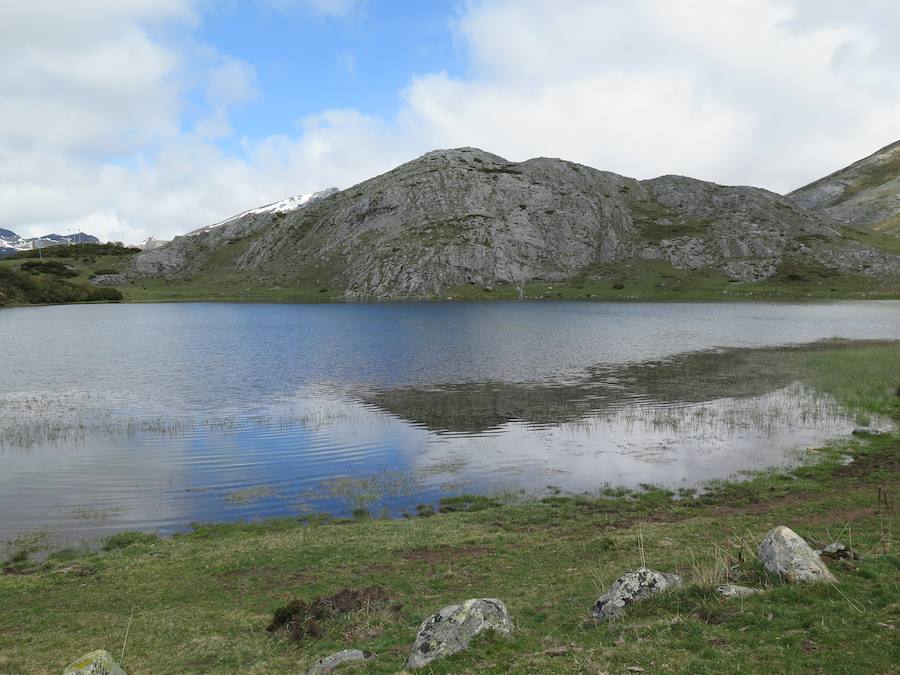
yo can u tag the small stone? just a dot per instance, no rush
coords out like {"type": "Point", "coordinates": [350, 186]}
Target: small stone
{"type": "Point", "coordinates": [556, 651]}
{"type": "Point", "coordinates": [454, 627]}
{"type": "Point", "coordinates": [630, 588]}
{"type": "Point", "coordinates": [325, 665]}
{"type": "Point", "coordinates": [99, 662]}
{"type": "Point", "coordinates": [734, 591]}
{"type": "Point", "coordinates": [837, 550]}
{"type": "Point", "coordinates": [785, 553]}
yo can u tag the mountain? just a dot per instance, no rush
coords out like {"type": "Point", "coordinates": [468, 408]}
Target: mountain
{"type": "Point", "coordinates": [10, 242]}
{"type": "Point", "coordinates": [57, 239]}
{"type": "Point", "coordinates": [865, 193]}
{"type": "Point", "coordinates": [150, 243]}
{"type": "Point", "coordinates": [465, 217]}
{"type": "Point", "coordinates": [185, 255]}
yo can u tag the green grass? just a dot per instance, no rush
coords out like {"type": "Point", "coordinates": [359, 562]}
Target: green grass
{"type": "Point", "coordinates": [658, 281]}
{"type": "Point", "coordinates": [200, 602]}
{"type": "Point", "coordinates": [61, 274]}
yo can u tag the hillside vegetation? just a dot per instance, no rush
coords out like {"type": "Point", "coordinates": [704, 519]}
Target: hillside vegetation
{"type": "Point", "coordinates": [61, 274]}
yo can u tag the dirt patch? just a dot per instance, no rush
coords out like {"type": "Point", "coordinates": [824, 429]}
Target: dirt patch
{"type": "Point", "coordinates": [436, 555]}
{"type": "Point", "coordinates": [713, 617]}
{"type": "Point", "coordinates": [302, 619]}
{"type": "Point", "coordinates": [863, 465]}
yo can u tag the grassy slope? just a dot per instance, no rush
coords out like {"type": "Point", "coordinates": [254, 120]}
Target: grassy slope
{"type": "Point", "coordinates": [23, 288]}
{"type": "Point", "coordinates": [200, 602]}
{"type": "Point", "coordinates": [639, 280]}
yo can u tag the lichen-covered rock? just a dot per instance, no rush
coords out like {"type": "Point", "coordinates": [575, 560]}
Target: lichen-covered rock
{"type": "Point", "coordinates": [734, 591]}
{"type": "Point", "coordinates": [99, 662]}
{"type": "Point", "coordinates": [325, 665]}
{"type": "Point", "coordinates": [630, 588]}
{"type": "Point", "coordinates": [453, 628]}
{"type": "Point", "coordinates": [786, 553]}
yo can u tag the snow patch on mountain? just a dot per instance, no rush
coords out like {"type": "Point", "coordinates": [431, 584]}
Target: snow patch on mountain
{"type": "Point", "coordinates": [284, 206]}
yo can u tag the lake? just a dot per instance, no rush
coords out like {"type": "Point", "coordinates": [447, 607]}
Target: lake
{"type": "Point", "coordinates": [151, 416]}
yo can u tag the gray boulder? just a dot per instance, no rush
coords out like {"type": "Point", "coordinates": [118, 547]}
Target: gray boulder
{"type": "Point", "coordinates": [99, 662]}
{"type": "Point", "coordinates": [733, 591]}
{"type": "Point", "coordinates": [785, 553]}
{"type": "Point", "coordinates": [630, 588]}
{"type": "Point", "coordinates": [453, 628]}
{"type": "Point", "coordinates": [325, 665]}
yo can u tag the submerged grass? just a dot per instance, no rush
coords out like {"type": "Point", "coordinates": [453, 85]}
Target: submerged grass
{"type": "Point", "coordinates": [201, 602]}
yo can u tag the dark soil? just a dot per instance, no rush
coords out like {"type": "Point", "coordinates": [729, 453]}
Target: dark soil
{"type": "Point", "coordinates": [302, 618]}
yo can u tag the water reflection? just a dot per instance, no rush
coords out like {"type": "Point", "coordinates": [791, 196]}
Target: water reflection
{"type": "Point", "coordinates": [90, 465]}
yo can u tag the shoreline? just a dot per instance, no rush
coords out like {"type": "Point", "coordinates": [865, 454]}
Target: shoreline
{"type": "Point", "coordinates": [201, 600]}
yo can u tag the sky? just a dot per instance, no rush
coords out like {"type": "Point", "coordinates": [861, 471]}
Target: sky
{"type": "Point", "coordinates": [131, 118]}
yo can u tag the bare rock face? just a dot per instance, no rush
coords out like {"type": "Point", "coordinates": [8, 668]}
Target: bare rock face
{"type": "Point", "coordinates": [865, 193]}
{"type": "Point", "coordinates": [99, 662]}
{"type": "Point", "coordinates": [785, 553]}
{"type": "Point", "coordinates": [630, 588]}
{"type": "Point", "coordinates": [465, 217]}
{"type": "Point", "coordinates": [453, 628]}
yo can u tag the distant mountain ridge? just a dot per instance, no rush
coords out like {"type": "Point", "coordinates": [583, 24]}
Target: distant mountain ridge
{"type": "Point", "coordinates": [10, 242]}
{"type": "Point", "coordinates": [465, 217]}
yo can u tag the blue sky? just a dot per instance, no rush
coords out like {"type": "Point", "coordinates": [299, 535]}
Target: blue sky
{"type": "Point", "coordinates": [306, 61]}
{"type": "Point", "coordinates": [155, 117]}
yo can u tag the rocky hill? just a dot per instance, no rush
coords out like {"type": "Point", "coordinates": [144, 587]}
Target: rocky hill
{"type": "Point", "coordinates": [865, 193]}
{"type": "Point", "coordinates": [463, 217]}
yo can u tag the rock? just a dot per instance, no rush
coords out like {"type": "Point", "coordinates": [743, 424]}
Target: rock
{"type": "Point", "coordinates": [837, 550]}
{"type": "Point", "coordinates": [325, 665]}
{"type": "Point", "coordinates": [453, 628]}
{"type": "Point", "coordinates": [733, 591]}
{"type": "Point", "coordinates": [785, 553]}
{"type": "Point", "coordinates": [630, 588]}
{"type": "Point", "coordinates": [99, 662]}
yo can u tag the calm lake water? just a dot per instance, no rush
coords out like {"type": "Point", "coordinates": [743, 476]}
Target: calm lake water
{"type": "Point", "coordinates": [155, 416]}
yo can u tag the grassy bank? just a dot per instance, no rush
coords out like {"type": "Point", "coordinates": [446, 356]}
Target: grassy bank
{"type": "Point", "coordinates": [200, 602]}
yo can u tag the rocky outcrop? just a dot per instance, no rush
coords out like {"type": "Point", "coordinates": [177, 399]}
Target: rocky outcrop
{"type": "Point", "coordinates": [99, 662]}
{"type": "Point", "coordinates": [785, 553]}
{"type": "Point", "coordinates": [466, 217]}
{"type": "Point", "coordinates": [327, 664]}
{"type": "Point", "coordinates": [453, 628]}
{"type": "Point", "coordinates": [630, 588]}
{"type": "Point", "coordinates": [865, 193]}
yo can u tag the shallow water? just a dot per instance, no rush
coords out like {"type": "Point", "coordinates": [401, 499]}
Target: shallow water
{"type": "Point", "coordinates": [153, 416]}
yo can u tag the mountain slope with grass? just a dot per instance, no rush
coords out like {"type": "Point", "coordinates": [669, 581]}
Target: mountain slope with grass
{"type": "Point", "coordinates": [466, 223]}
{"type": "Point", "coordinates": [62, 274]}
{"type": "Point", "coordinates": [866, 193]}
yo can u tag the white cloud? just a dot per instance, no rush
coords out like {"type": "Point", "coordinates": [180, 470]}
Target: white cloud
{"type": "Point", "coordinates": [101, 126]}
